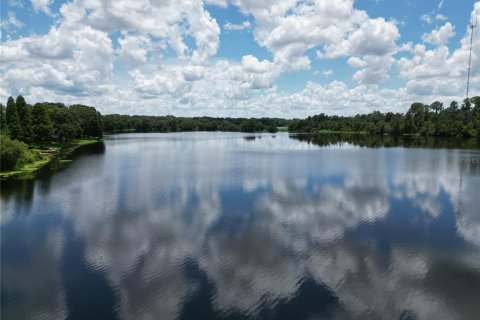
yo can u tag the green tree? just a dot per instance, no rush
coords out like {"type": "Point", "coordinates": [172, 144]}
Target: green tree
{"type": "Point", "coordinates": [272, 128]}
{"type": "Point", "coordinates": [90, 120]}
{"type": "Point", "coordinates": [417, 114]}
{"type": "Point", "coordinates": [247, 125]}
{"type": "Point", "coordinates": [466, 105]}
{"type": "Point", "coordinates": [427, 129]}
{"type": "Point", "coordinates": [436, 106]}
{"type": "Point", "coordinates": [42, 126]}
{"type": "Point", "coordinates": [397, 125]}
{"type": "Point", "coordinates": [13, 122]}
{"type": "Point", "coordinates": [454, 105]}
{"type": "Point", "coordinates": [25, 119]}
{"type": "Point", "coordinates": [65, 124]}
{"type": "Point", "coordinates": [251, 125]}
{"type": "Point", "coordinates": [3, 120]}
{"type": "Point", "coordinates": [476, 102]}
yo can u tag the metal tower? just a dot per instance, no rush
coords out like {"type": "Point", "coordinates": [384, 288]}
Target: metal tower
{"type": "Point", "coordinates": [471, 26]}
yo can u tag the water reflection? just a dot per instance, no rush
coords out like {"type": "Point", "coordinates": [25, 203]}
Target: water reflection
{"type": "Point", "coordinates": [375, 141]}
{"type": "Point", "coordinates": [218, 225]}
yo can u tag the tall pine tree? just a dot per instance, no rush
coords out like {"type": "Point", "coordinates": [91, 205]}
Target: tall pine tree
{"type": "Point", "coordinates": [25, 118]}
{"type": "Point", "coordinates": [13, 122]}
{"type": "Point", "coordinates": [42, 126]}
{"type": "Point", "coordinates": [3, 120]}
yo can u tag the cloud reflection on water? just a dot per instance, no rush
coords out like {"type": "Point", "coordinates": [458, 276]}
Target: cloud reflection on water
{"type": "Point", "coordinates": [257, 219]}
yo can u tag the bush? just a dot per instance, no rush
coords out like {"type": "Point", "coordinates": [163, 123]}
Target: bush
{"type": "Point", "coordinates": [15, 154]}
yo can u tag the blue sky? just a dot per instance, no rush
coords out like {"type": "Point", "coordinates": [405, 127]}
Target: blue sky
{"type": "Point", "coordinates": [242, 57]}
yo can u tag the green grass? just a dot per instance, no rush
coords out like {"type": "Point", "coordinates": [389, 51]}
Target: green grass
{"type": "Point", "coordinates": [48, 152]}
{"type": "Point", "coordinates": [27, 170]}
{"type": "Point", "coordinates": [332, 131]}
{"type": "Point", "coordinates": [83, 142]}
{"type": "Point", "coordinates": [57, 146]}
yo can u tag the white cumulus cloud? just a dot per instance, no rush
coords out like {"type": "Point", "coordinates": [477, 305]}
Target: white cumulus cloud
{"type": "Point", "coordinates": [441, 35]}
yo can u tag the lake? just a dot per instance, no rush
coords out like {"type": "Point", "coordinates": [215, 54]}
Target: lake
{"type": "Point", "coordinates": [246, 226]}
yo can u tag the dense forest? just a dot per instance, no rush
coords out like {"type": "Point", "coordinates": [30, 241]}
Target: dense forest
{"type": "Point", "coordinates": [421, 119]}
{"type": "Point", "coordinates": [26, 128]}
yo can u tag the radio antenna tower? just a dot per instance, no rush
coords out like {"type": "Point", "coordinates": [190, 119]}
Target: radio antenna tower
{"type": "Point", "coordinates": [471, 26]}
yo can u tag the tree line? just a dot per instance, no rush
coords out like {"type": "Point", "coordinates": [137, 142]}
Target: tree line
{"type": "Point", "coordinates": [421, 119]}
{"type": "Point", "coordinates": [127, 123]}
{"type": "Point", "coordinates": [48, 122]}
{"type": "Point", "coordinates": [23, 125]}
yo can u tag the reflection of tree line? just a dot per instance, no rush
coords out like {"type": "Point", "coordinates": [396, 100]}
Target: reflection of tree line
{"type": "Point", "coordinates": [379, 141]}
{"type": "Point", "coordinates": [21, 190]}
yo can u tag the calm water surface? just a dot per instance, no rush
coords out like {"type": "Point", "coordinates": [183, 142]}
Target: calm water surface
{"type": "Point", "coordinates": [234, 226]}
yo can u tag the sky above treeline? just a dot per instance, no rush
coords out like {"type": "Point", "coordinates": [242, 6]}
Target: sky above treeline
{"type": "Point", "coordinates": [245, 58]}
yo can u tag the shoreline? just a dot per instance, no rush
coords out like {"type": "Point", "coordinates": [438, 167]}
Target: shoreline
{"type": "Point", "coordinates": [50, 153]}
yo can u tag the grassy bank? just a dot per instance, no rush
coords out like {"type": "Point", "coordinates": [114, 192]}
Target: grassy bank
{"type": "Point", "coordinates": [332, 131]}
{"type": "Point", "coordinates": [48, 153]}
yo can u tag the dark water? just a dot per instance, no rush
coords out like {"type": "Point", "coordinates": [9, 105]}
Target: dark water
{"type": "Point", "coordinates": [233, 226]}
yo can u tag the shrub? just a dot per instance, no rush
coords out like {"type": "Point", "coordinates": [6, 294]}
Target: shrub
{"type": "Point", "coordinates": [15, 154]}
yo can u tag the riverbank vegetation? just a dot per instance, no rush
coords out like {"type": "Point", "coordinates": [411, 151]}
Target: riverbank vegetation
{"type": "Point", "coordinates": [15, 154]}
{"type": "Point", "coordinates": [31, 135]}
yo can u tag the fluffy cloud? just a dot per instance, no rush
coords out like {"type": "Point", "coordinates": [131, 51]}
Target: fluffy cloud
{"type": "Point", "coordinates": [356, 62]}
{"type": "Point", "coordinates": [440, 36]}
{"type": "Point", "coordinates": [375, 37]}
{"type": "Point", "coordinates": [166, 82]}
{"type": "Point", "coordinates": [439, 71]}
{"type": "Point", "coordinates": [251, 64]}
{"type": "Point", "coordinates": [42, 5]}
{"type": "Point", "coordinates": [339, 29]}
{"type": "Point", "coordinates": [288, 30]}
{"type": "Point", "coordinates": [192, 73]}
{"type": "Point", "coordinates": [75, 61]}
{"type": "Point", "coordinates": [79, 51]}
{"type": "Point", "coordinates": [135, 48]}
{"type": "Point", "coordinates": [236, 27]}
{"type": "Point", "coordinates": [102, 50]}
{"type": "Point", "coordinates": [375, 70]}
{"type": "Point", "coordinates": [179, 19]}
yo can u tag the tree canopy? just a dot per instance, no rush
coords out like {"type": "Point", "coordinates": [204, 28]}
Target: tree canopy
{"type": "Point", "coordinates": [13, 121]}
{"type": "Point", "coordinates": [425, 120]}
